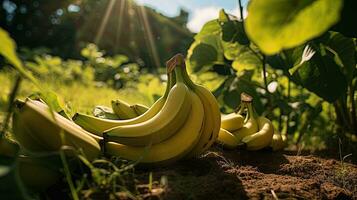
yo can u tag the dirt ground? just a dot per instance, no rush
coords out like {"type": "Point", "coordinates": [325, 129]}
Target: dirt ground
{"type": "Point", "coordinates": [256, 175]}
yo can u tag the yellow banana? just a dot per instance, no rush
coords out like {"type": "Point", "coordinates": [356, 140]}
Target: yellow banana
{"type": "Point", "coordinates": [232, 121]}
{"type": "Point", "coordinates": [212, 119]}
{"type": "Point", "coordinates": [123, 109]}
{"type": "Point", "coordinates": [262, 138]}
{"type": "Point", "coordinates": [163, 125]}
{"type": "Point", "coordinates": [278, 141]}
{"type": "Point", "coordinates": [250, 126]}
{"type": "Point", "coordinates": [98, 126]}
{"type": "Point", "coordinates": [227, 139]}
{"type": "Point", "coordinates": [175, 147]}
{"type": "Point", "coordinates": [38, 173]}
{"type": "Point", "coordinates": [38, 130]}
{"type": "Point", "coordinates": [139, 109]}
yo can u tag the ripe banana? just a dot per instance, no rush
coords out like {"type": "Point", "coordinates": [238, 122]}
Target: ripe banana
{"type": "Point", "coordinates": [232, 121]}
{"type": "Point", "coordinates": [139, 109]}
{"type": "Point", "coordinates": [227, 139]}
{"type": "Point", "coordinates": [163, 125]}
{"type": "Point", "coordinates": [278, 142]}
{"type": "Point", "coordinates": [211, 108]}
{"type": "Point", "coordinates": [262, 138]}
{"type": "Point", "coordinates": [123, 109]}
{"type": "Point", "coordinates": [38, 130]}
{"type": "Point", "coordinates": [98, 126]}
{"type": "Point", "coordinates": [250, 126]}
{"type": "Point", "coordinates": [172, 149]}
{"type": "Point", "coordinates": [104, 113]}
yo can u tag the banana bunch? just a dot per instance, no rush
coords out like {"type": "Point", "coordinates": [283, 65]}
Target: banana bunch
{"type": "Point", "coordinates": [183, 123]}
{"type": "Point", "coordinates": [40, 130]}
{"type": "Point", "coordinates": [252, 132]}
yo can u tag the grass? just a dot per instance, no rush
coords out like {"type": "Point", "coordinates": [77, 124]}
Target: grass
{"type": "Point", "coordinates": [80, 97]}
{"type": "Point", "coordinates": [111, 178]}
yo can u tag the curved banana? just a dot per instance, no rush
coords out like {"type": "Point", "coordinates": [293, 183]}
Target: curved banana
{"type": "Point", "coordinates": [172, 149]}
{"type": "Point", "coordinates": [232, 121]}
{"type": "Point", "coordinates": [139, 108]}
{"type": "Point", "coordinates": [38, 173]}
{"type": "Point", "coordinates": [38, 130]}
{"type": "Point", "coordinates": [98, 126]}
{"type": "Point", "coordinates": [227, 139]}
{"type": "Point", "coordinates": [278, 141]}
{"type": "Point", "coordinates": [123, 109]}
{"type": "Point", "coordinates": [262, 138]}
{"type": "Point", "coordinates": [163, 125]}
{"type": "Point", "coordinates": [104, 112]}
{"type": "Point", "coordinates": [250, 126]}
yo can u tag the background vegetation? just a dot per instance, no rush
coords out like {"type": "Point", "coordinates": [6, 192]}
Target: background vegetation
{"type": "Point", "coordinates": [300, 68]}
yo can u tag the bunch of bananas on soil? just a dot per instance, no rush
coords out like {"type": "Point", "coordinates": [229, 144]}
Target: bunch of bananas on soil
{"type": "Point", "coordinates": [251, 132]}
{"type": "Point", "coordinates": [183, 123]}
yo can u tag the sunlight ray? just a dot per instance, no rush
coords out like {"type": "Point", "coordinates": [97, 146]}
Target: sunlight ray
{"type": "Point", "coordinates": [149, 36]}
{"type": "Point", "coordinates": [104, 22]}
{"type": "Point", "coordinates": [120, 21]}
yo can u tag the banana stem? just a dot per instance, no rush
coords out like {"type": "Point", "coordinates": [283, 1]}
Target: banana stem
{"type": "Point", "coordinates": [179, 74]}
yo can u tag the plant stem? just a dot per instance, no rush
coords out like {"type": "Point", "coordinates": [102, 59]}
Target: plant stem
{"type": "Point", "coordinates": [264, 74]}
{"type": "Point", "coordinates": [12, 97]}
{"type": "Point", "coordinates": [240, 9]}
{"type": "Point", "coordinates": [353, 108]}
{"type": "Point", "coordinates": [288, 115]}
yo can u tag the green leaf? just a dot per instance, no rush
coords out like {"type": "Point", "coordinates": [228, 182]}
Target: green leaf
{"type": "Point", "coordinates": [275, 25]}
{"type": "Point", "coordinates": [232, 29]}
{"type": "Point", "coordinates": [246, 60]}
{"type": "Point", "coordinates": [343, 48]}
{"type": "Point", "coordinates": [8, 50]}
{"type": "Point", "coordinates": [205, 53]}
{"type": "Point", "coordinates": [320, 75]}
{"type": "Point", "coordinates": [210, 28]}
{"type": "Point", "coordinates": [211, 80]}
{"type": "Point", "coordinates": [55, 103]}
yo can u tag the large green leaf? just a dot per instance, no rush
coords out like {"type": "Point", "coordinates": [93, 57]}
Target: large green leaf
{"type": "Point", "coordinates": [280, 24]}
{"type": "Point", "coordinates": [321, 75]}
{"type": "Point", "coordinates": [204, 53]}
{"type": "Point", "coordinates": [210, 28]}
{"type": "Point", "coordinates": [232, 29]}
{"type": "Point", "coordinates": [344, 50]}
{"type": "Point", "coordinates": [246, 60]}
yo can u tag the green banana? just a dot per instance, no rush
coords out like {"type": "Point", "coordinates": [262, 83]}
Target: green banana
{"type": "Point", "coordinates": [123, 109]}
{"type": "Point", "coordinates": [139, 109]}
{"type": "Point", "coordinates": [98, 126]}
{"type": "Point", "coordinates": [163, 125]}
{"type": "Point", "coordinates": [227, 139]}
{"type": "Point", "coordinates": [39, 130]}
{"type": "Point", "coordinates": [262, 138]}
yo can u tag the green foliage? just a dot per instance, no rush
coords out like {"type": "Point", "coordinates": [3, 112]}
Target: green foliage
{"type": "Point", "coordinates": [276, 25]}
{"type": "Point", "coordinates": [223, 50]}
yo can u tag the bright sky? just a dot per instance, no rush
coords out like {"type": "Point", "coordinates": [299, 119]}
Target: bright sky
{"type": "Point", "coordinates": [200, 11]}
